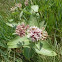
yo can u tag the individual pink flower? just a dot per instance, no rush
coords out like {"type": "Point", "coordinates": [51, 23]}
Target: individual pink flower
{"type": "Point", "coordinates": [21, 30]}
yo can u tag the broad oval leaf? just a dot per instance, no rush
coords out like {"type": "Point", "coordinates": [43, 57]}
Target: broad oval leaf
{"type": "Point", "coordinates": [47, 52]}
{"type": "Point", "coordinates": [18, 40]}
{"type": "Point", "coordinates": [33, 21]}
{"type": "Point", "coordinates": [46, 45]}
{"type": "Point", "coordinates": [41, 24]}
{"type": "Point", "coordinates": [46, 49]}
{"type": "Point", "coordinates": [28, 52]}
{"type": "Point", "coordinates": [34, 8]}
{"type": "Point", "coordinates": [12, 24]}
{"type": "Point", "coordinates": [13, 46]}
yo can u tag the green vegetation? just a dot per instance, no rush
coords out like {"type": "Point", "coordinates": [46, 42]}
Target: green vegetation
{"type": "Point", "coordinates": [49, 14]}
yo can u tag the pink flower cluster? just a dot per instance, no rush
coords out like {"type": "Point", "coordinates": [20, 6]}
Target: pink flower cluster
{"type": "Point", "coordinates": [34, 32]}
{"type": "Point", "coordinates": [26, 2]}
{"type": "Point", "coordinates": [18, 5]}
{"type": "Point", "coordinates": [21, 30]}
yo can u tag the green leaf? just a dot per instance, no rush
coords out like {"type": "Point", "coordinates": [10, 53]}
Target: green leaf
{"type": "Point", "coordinates": [21, 14]}
{"type": "Point", "coordinates": [46, 45]}
{"type": "Point", "coordinates": [41, 24]}
{"type": "Point", "coordinates": [39, 45]}
{"type": "Point", "coordinates": [14, 43]}
{"type": "Point", "coordinates": [46, 49]}
{"type": "Point", "coordinates": [47, 52]}
{"type": "Point", "coordinates": [15, 13]}
{"type": "Point", "coordinates": [13, 46]}
{"type": "Point", "coordinates": [33, 21]}
{"type": "Point", "coordinates": [34, 8]}
{"type": "Point", "coordinates": [10, 20]}
{"type": "Point", "coordinates": [28, 52]}
{"type": "Point", "coordinates": [11, 24]}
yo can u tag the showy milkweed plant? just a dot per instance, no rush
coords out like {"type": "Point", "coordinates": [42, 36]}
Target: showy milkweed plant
{"type": "Point", "coordinates": [31, 38]}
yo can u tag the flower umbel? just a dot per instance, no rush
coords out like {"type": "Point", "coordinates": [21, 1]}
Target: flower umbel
{"type": "Point", "coordinates": [34, 33]}
{"type": "Point", "coordinates": [37, 34]}
{"type": "Point", "coordinates": [19, 5]}
{"type": "Point", "coordinates": [21, 30]}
